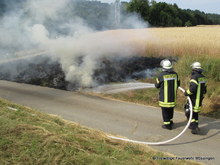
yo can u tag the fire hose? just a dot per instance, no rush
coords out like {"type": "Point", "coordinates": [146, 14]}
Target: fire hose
{"type": "Point", "coordinates": [162, 142]}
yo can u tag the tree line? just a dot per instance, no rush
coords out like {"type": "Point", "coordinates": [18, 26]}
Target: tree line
{"type": "Point", "coordinates": [100, 15]}
{"type": "Point", "coordinates": [168, 15]}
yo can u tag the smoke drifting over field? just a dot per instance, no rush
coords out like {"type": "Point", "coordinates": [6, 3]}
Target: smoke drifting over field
{"type": "Point", "coordinates": [80, 49]}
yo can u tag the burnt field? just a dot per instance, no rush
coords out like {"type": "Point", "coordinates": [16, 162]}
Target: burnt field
{"type": "Point", "coordinates": [41, 70]}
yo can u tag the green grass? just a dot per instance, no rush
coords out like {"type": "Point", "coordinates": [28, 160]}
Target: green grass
{"type": "Point", "coordinates": [31, 137]}
{"type": "Point", "coordinates": [211, 103]}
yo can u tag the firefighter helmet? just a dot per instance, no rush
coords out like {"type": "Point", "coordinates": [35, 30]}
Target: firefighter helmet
{"type": "Point", "coordinates": [196, 65]}
{"type": "Point", "coordinates": [166, 64]}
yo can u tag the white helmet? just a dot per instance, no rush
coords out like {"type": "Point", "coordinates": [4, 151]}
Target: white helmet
{"type": "Point", "coordinates": [166, 64]}
{"type": "Point", "coordinates": [196, 65]}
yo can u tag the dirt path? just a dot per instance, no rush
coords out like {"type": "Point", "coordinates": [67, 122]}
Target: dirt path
{"type": "Point", "coordinates": [133, 121]}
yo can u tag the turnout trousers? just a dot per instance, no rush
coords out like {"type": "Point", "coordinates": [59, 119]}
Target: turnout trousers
{"type": "Point", "coordinates": [167, 114]}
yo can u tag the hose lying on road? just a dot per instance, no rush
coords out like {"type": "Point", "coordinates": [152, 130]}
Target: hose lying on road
{"type": "Point", "coordinates": [167, 141]}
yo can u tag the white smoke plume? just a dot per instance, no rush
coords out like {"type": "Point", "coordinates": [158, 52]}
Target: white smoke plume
{"type": "Point", "coordinates": [77, 46]}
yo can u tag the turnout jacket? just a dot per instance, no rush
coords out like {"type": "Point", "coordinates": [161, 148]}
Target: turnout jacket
{"type": "Point", "coordinates": [168, 82]}
{"type": "Point", "coordinates": [197, 89]}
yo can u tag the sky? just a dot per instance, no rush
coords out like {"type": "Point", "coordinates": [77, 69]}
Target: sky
{"type": "Point", "coordinates": [208, 6]}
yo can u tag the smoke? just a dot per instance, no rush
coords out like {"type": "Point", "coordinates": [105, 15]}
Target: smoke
{"type": "Point", "coordinates": [68, 37]}
{"type": "Point", "coordinates": [41, 10]}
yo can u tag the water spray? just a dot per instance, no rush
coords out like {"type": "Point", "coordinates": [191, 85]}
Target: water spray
{"type": "Point", "coordinates": [167, 141]}
{"type": "Point", "coordinates": [24, 56]}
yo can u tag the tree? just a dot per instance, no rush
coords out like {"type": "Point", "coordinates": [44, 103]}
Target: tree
{"type": "Point", "coordinates": [163, 14]}
{"type": "Point", "coordinates": [188, 23]}
{"type": "Point", "coordinates": [139, 6]}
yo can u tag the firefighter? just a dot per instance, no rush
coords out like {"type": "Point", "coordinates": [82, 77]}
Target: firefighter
{"type": "Point", "coordinates": [196, 91]}
{"type": "Point", "coordinates": [168, 83]}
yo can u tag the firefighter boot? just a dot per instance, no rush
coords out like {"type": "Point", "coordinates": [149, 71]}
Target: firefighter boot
{"type": "Point", "coordinates": [167, 126]}
{"type": "Point", "coordinates": [171, 123]}
{"type": "Point", "coordinates": [195, 128]}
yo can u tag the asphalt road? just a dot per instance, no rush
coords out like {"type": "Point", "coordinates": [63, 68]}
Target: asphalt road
{"type": "Point", "coordinates": [133, 121]}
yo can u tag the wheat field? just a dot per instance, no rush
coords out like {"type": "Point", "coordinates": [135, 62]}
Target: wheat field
{"type": "Point", "coordinates": [174, 41]}
{"type": "Point", "coordinates": [198, 41]}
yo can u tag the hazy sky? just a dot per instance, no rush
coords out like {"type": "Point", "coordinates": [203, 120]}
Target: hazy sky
{"type": "Point", "coordinates": [208, 6]}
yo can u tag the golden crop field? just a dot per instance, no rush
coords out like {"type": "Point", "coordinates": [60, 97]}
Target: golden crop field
{"type": "Point", "coordinates": [175, 41]}
{"type": "Point", "coordinates": [200, 40]}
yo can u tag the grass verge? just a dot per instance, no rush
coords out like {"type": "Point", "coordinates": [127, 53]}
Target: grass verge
{"type": "Point", "coordinates": [30, 137]}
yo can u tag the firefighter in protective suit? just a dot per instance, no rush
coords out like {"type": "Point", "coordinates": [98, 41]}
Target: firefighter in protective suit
{"type": "Point", "coordinates": [168, 83]}
{"type": "Point", "coordinates": [196, 91]}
